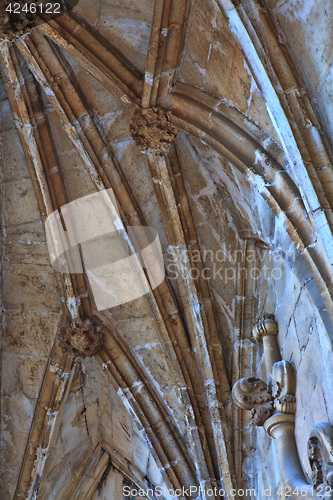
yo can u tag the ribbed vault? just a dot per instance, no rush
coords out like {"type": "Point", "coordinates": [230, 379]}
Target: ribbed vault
{"type": "Point", "coordinates": [73, 85]}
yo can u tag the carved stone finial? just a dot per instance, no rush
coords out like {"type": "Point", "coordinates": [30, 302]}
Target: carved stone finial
{"type": "Point", "coordinates": [320, 455]}
{"type": "Point", "coordinates": [252, 393]}
{"type": "Point", "coordinates": [80, 338]}
{"type": "Point", "coordinates": [266, 325]}
{"type": "Point", "coordinates": [152, 131]}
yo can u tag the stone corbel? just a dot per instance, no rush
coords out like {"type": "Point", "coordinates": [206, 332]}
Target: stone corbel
{"type": "Point", "coordinates": [273, 406]}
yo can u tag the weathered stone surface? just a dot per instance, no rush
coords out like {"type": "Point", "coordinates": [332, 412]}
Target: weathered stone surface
{"type": "Point", "coordinates": [17, 329]}
{"type": "Point", "coordinates": [14, 166]}
{"type": "Point", "coordinates": [24, 288]}
{"type": "Point", "coordinates": [129, 23]}
{"type": "Point", "coordinates": [327, 383]}
{"type": "Point", "coordinates": [290, 346]}
{"type": "Point", "coordinates": [23, 373]}
{"type": "Point", "coordinates": [217, 64]}
{"type": "Point", "coordinates": [21, 204]}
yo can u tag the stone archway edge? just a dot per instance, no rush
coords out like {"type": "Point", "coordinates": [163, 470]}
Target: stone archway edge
{"type": "Point", "coordinates": [269, 178]}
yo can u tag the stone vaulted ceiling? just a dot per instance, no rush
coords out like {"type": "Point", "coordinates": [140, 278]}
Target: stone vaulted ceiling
{"type": "Point", "coordinates": [236, 150]}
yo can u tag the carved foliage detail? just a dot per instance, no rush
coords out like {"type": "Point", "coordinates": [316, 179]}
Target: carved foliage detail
{"type": "Point", "coordinates": [285, 404]}
{"type": "Point", "coordinates": [152, 131]}
{"type": "Point", "coordinates": [80, 338]}
{"type": "Point", "coordinates": [320, 454]}
{"type": "Point", "coordinates": [14, 25]}
{"type": "Point", "coordinates": [252, 393]}
{"type": "Point", "coordinates": [23, 15]}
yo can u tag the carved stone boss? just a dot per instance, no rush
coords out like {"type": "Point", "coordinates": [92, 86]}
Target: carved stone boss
{"type": "Point", "coordinates": [80, 338]}
{"type": "Point", "coordinates": [152, 131]}
{"type": "Point", "coordinates": [273, 406]}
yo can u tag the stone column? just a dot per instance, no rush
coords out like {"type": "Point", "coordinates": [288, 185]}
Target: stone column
{"type": "Point", "coordinates": [281, 427]}
{"type": "Point", "coordinates": [265, 331]}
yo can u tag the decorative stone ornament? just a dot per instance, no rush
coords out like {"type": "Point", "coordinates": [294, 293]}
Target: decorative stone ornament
{"type": "Point", "coordinates": [278, 395]}
{"type": "Point", "coordinates": [320, 455]}
{"type": "Point", "coordinates": [262, 399]}
{"type": "Point", "coordinates": [284, 387]}
{"type": "Point", "coordinates": [273, 406]}
{"type": "Point", "coordinates": [266, 325]}
{"type": "Point", "coordinates": [81, 338]}
{"type": "Point", "coordinates": [18, 17]}
{"type": "Point", "coordinates": [17, 23]}
{"type": "Point", "coordinates": [252, 393]}
{"type": "Point", "coordinates": [152, 131]}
